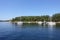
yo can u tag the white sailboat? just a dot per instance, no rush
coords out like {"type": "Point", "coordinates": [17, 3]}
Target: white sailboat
{"type": "Point", "coordinates": [40, 22]}
{"type": "Point", "coordinates": [51, 23]}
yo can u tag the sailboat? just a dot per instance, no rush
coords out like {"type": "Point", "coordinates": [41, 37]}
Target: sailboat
{"type": "Point", "coordinates": [51, 23]}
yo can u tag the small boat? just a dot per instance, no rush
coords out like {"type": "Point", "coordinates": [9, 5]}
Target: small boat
{"type": "Point", "coordinates": [19, 22]}
{"type": "Point", "coordinates": [51, 23]}
{"type": "Point", "coordinates": [40, 22]}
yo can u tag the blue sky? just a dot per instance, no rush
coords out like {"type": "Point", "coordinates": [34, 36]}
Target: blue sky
{"type": "Point", "coordinates": [13, 8]}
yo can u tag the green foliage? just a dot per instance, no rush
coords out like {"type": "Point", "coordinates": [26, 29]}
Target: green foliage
{"type": "Point", "coordinates": [56, 17]}
{"type": "Point", "coordinates": [31, 18]}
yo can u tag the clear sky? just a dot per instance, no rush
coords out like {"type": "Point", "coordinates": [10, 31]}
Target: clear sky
{"type": "Point", "coordinates": [13, 8]}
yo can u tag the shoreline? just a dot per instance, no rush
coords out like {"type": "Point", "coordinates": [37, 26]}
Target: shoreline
{"type": "Point", "coordinates": [32, 22]}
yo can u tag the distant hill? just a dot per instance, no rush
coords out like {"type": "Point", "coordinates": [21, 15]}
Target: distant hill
{"type": "Point", "coordinates": [4, 20]}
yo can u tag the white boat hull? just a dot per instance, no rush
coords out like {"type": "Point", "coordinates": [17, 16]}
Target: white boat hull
{"type": "Point", "coordinates": [51, 23]}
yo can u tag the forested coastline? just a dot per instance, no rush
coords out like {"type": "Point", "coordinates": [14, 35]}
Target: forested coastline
{"type": "Point", "coordinates": [54, 18]}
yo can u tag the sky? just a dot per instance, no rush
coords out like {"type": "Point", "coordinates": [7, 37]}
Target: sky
{"type": "Point", "coordinates": [14, 8]}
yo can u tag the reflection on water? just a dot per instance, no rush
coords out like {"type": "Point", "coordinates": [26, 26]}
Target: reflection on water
{"type": "Point", "coordinates": [58, 25]}
{"type": "Point", "coordinates": [9, 31]}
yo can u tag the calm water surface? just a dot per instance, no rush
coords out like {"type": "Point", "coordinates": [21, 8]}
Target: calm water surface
{"type": "Point", "coordinates": [9, 31]}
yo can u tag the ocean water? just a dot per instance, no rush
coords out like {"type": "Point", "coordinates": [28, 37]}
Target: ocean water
{"type": "Point", "coordinates": [10, 31]}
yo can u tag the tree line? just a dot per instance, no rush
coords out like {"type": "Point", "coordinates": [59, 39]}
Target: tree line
{"type": "Point", "coordinates": [55, 18]}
